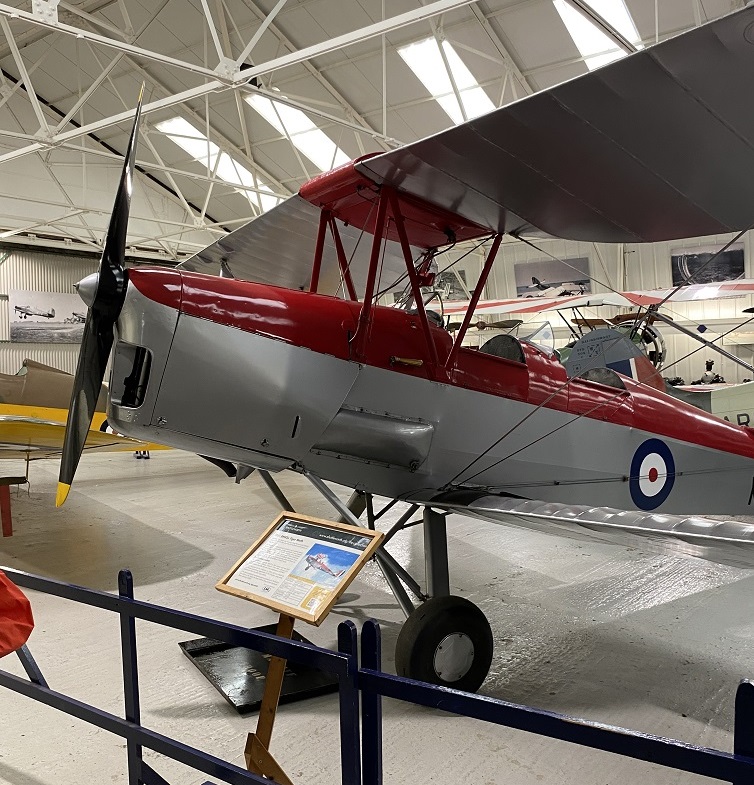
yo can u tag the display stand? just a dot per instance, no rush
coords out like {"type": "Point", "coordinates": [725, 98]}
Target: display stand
{"type": "Point", "coordinates": [257, 754]}
{"type": "Point", "coordinates": [298, 567]}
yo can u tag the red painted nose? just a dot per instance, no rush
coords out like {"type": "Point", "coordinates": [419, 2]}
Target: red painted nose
{"type": "Point", "coordinates": [158, 284]}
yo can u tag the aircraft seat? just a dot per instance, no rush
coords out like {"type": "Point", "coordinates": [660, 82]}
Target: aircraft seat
{"type": "Point", "coordinates": [505, 346]}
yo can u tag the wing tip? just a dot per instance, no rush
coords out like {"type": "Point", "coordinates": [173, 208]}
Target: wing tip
{"type": "Point", "coordinates": [62, 494]}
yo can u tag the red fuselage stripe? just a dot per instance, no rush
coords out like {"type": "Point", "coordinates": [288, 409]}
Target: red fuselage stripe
{"type": "Point", "coordinates": [327, 324]}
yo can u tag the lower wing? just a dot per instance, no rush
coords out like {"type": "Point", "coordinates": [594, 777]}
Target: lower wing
{"type": "Point", "coordinates": [25, 434]}
{"type": "Point", "coordinates": [722, 541]}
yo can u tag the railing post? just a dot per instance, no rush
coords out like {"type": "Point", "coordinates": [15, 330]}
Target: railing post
{"type": "Point", "coordinates": [371, 707]}
{"type": "Point", "coordinates": [130, 675]}
{"type": "Point", "coordinates": [348, 693]}
{"type": "Point", "coordinates": [31, 667]}
{"type": "Point", "coordinates": [743, 729]}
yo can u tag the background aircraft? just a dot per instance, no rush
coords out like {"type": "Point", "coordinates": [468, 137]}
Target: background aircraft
{"type": "Point", "coordinates": [385, 402]}
{"type": "Point", "coordinates": [76, 318]}
{"type": "Point", "coordinates": [27, 310]}
{"type": "Point", "coordinates": [627, 299]}
{"type": "Point", "coordinates": [33, 411]}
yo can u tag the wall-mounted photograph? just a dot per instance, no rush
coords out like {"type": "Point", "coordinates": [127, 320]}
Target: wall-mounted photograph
{"type": "Point", "coordinates": [694, 265]}
{"type": "Point", "coordinates": [45, 317]}
{"type": "Point", "coordinates": [553, 278]}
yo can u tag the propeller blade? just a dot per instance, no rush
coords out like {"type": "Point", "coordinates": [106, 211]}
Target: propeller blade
{"type": "Point", "coordinates": [105, 298]}
{"type": "Point", "coordinates": [505, 324]}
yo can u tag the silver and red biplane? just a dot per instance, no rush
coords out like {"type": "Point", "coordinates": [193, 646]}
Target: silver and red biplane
{"type": "Point", "coordinates": [279, 372]}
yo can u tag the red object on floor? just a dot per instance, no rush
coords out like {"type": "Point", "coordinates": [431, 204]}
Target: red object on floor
{"type": "Point", "coordinates": [5, 517]}
{"type": "Point", "coordinates": [16, 620]}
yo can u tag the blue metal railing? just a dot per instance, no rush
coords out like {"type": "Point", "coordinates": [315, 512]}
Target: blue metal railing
{"type": "Point", "coordinates": [342, 663]}
{"type": "Point", "coordinates": [360, 726]}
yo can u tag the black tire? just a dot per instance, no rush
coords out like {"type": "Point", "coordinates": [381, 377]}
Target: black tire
{"type": "Point", "coordinates": [435, 625]}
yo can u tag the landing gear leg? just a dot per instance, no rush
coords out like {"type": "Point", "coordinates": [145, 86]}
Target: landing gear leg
{"type": "Point", "coordinates": [447, 640]}
{"type": "Point", "coordinates": [436, 553]}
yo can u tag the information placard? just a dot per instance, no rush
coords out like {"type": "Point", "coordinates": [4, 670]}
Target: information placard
{"type": "Point", "coordinates": [301, 565]}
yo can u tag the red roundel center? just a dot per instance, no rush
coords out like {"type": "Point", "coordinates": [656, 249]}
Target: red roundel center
{"type": "Point", "coordinates": [653, 474]}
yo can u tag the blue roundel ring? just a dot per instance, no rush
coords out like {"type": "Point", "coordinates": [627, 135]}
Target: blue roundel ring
{"type": "Point", "coordinates": [652, 474]}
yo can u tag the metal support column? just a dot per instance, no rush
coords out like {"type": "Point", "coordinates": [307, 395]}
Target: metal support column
{"type": "Point", "coordinates": [276, 491]}
{"type": "Point", "coordinates": [436, 553]}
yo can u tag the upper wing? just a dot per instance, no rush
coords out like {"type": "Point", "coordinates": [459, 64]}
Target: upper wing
{"type": "Point", "coordinates": [278, 247]}
{"type": "Point", "coordinates": [655, 146]}
{"type": "Point", "coordinates": [725, 542]}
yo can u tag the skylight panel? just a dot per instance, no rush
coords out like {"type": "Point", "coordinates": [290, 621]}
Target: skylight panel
{"type": "Point", "coordinates": [595, 47]}
{"type": "Point", "coordinates": [425, 59]}
{"type": "Point", "coordinates": [209, 155]}
{"type": "Point", "coordinates": [314, 143]}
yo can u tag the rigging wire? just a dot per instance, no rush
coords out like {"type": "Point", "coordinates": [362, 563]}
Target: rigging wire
{"type": "Point", "coordinates": [706, 346]}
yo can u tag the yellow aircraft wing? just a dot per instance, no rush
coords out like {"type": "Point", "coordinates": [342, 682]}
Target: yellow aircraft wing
{"type": "Point", "coordinates": [37, 432]}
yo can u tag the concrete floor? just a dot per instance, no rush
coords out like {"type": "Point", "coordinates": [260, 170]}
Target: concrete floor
{"type": "Point", "coordinates": [613, 634]}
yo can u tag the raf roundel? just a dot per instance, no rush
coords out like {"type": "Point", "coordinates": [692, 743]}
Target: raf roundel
{"type": "Point", "coordinates": [652, 474]}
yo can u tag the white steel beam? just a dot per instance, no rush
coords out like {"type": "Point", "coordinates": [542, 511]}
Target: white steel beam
{"type": "Point", "coordinates": [8, 12]}
{"type": "Point", "coordinates": [212, 30]}
{"type": "Point", "coordinates": [33, 34]}
{"type": "Point", "coordinates": [92, 87]}
{"type": "Point", "coordinates": [348, 39]}
{"type": "Point", "coordinates": [365, 33]}
{"type": "Point", "coordinates": [591, 15]}
{"type": "Point", "coordinates": [328, 86]}
{"type": "Point", "coordinates": [43, 128]}
{"type": "Point", "coordinates": [502, 50]}
{"type": "Point", "coordinates": [260, 32]}
{"type": "Point", "coordinates": [94, 20]}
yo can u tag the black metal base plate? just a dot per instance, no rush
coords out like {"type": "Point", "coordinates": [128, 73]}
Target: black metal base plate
{"type": "Point", "coordinates": [239, 674]}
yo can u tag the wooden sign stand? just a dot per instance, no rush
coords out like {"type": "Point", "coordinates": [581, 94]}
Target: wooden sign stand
{"type": "Point", "coordinates": [275, 572]}
{"type": "Point", "coordinates": [258, 757]}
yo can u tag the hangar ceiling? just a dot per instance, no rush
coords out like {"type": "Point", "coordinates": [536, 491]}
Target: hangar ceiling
{"type": "Point", "coordinates": [247, 99]}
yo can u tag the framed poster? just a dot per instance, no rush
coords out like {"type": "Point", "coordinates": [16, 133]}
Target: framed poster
{"type": "Point", "coordinates": [301, 565]}
{"type": "Point", "coordinates": [45, 317]}
{"type": "Point", "coordinates": [552, 277]}
{"type": "Point", "coordinates": [728, 265]}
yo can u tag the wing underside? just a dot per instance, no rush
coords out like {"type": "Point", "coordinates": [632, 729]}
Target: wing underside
{"type": "Point", "coordinates": [33, 438]}
{"type": "Point", "coordinates": [728, 542]}
{"type": "Point", "coordinates": [277, 248]}
{"type": "Point", "coordinates": [656, 146]}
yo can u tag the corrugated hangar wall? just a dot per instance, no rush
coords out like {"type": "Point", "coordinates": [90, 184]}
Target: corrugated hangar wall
{"type": "Point", "coordinates": [34, 271]}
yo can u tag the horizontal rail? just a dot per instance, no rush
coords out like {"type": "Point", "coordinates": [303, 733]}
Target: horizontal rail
{"type": "Point", "coordinates": [305, 653]}
{"type": "Point", "coordinates": [631, 744]}
{"type": "Point", "coordinates": [201, 761]}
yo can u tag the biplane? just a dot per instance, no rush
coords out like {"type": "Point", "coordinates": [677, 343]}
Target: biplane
{"type": "Point", "coordinates": [292, 363]}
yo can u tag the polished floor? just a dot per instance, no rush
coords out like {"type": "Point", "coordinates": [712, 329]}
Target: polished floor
{"type": "Point", "coordinates": [613, 634]}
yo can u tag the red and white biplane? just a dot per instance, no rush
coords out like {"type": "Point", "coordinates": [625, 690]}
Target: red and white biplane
{"type": "Point", "coordinates": [277, 372]}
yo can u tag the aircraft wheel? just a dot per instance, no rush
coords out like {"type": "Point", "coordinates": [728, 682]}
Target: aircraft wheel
{"type": "Point", "coordinates": [445, 641]}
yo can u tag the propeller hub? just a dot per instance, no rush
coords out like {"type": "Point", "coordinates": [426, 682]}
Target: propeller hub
{"type": "Point", "coordinates": [87, 288]}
